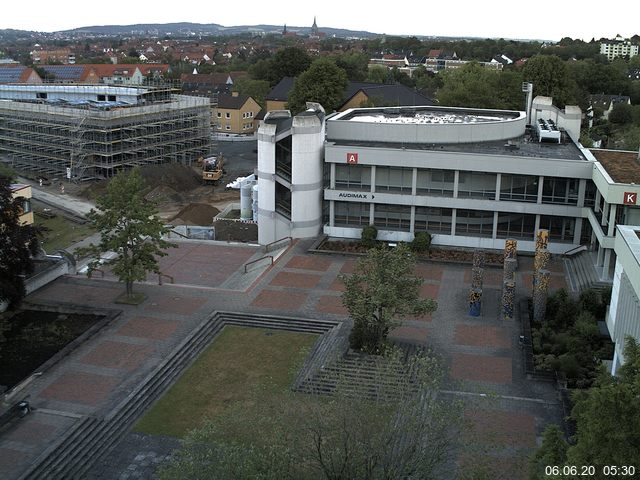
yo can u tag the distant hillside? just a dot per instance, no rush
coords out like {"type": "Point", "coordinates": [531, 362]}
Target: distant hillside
{"type": "Point", "coordinates": [187, 28]}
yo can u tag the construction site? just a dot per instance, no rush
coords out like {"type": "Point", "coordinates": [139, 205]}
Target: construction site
{"type": "Point", "coordinates": [83, 132]}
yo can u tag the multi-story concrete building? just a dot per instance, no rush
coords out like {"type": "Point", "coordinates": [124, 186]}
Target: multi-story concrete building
{"type": "Point", "coordinates": [470, 177]}
{"type": "Point", "coordinates": [623, 318]}
{"type": "Point", "coordinates": [88, 131]}
{"type": "Point", "coordinates": [619, 47]}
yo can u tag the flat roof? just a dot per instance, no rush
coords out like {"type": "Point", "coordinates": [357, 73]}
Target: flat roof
{"type": "Point", "coordinates": [517, 147]}
{"type": "Point", "coordinates": [622, 166]}
{"type": "Point", "coordinates": [426, 115]}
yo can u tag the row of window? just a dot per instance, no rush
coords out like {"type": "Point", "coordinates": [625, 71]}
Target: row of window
{"type": "Point", "coordinates": [472, 223]}
{"type": "Point", "coordinates": [228, 115]}
{"type": "Point", "coordinates": [517, 188]}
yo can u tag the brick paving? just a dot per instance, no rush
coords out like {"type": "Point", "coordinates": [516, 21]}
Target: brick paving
{"type": "Point", "coordinates": [118, 355]}
{"type": "Point", "coordinates": [331, 304]}
{"type": "Point", "coordinates": [482, 336]}
{"type": "Point", "coordinates": [279, 299]}
{"type": "Point", "coordinates": [148, 327]}
{"type": "Point", "coordinates": [295, 280]}
{"type": "Point", "coordinates": [501, 428]}
{"type": "Point", "coordinates": [491, 277]}
{"type": "Point", "coordinates": [482, 368]}
{"type": "Point", "coordinates": [80, 387]}
{"type": "Point", "coordinates": [94, 378]}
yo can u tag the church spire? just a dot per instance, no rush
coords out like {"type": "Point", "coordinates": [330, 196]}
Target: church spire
{"type": "Point", "coordinates": [314, 27]}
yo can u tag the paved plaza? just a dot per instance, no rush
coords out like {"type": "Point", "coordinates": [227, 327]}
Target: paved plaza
{"type": "Point", "coordinates": [482, 353]}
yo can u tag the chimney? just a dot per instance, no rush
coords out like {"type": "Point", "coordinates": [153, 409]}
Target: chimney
{"type": "Point", "coordinates": [235, 94]}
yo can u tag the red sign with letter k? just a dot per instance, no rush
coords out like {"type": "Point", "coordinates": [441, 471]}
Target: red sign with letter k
{"type": "Point", "coordinates": [630, 198]}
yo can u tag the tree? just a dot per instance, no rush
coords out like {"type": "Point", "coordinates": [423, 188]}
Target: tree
{"type": "Point", "coordinates": [382, 289]}
{"type": "Point", "coordinates": [129, 227]}
{"type": "Point", "coordinates": [550, 77]}
{"type": "Point", "coordinates": [608, 416]}
{"type": "Point", "coordinates": [354, 64]}
{"type": "Point", "coordinates": [256, 89]}
{"type": "Point", "coordinates": [324, 82]}
{"type": "Point", "coordinates": [288, 62]}
{"type": "Point", "coordinates": [401, 428]}
{"type": "Point", "coordinates": [18, 244]}
{"type": "Point", "coordinates": [621, 113]}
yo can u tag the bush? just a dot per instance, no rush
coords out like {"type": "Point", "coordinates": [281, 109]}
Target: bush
{"type": "Point", "coordinates": [421, 242]}
{"type": "Point", "coordinates": [369, 236]}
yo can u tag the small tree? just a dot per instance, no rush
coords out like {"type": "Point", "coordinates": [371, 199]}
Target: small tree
{"type": "Point", "coordinates": [18, 245]}
{"type": "Point", "coordinates": [421, 242]}
{"type": "Point", "coordinates": [368, 236]}
{"type": "Point", "coordinates": [382, 289]}
{"type": "Point", "coordinates": [129, 227]}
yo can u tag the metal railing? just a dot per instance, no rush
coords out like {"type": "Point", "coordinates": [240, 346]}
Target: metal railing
{"type": "Point", "coordinates": [579, 248]}
{"type": "Point", "coordinates": [257, 260]}
{"type": "Point", "coordinates": [268, 246]}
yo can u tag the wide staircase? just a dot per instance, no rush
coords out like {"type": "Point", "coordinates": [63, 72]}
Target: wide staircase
{"type": "Point", "coordinates": [582, 274]}
{"type": "Point", "coordinates": [362, 376]}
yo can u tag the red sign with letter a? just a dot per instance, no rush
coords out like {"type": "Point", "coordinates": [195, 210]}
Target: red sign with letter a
{"type": "Point", "coordinates": [630, 198]}
{"type": "Point", "coordinates": [352, 158]}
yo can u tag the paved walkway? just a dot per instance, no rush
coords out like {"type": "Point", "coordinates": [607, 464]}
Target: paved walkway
{"type": "Point", "coordinates": [482, 353]}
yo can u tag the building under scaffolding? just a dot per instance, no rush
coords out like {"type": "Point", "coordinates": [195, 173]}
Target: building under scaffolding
{"type": "Point", "coordinates": [92, 131]}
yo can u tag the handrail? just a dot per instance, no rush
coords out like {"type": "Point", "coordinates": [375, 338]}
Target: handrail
{"type": "Point", "coordinates": [257, 260]}
{"type": "Point", "coordinates": [160, 275]}
{"type": "Point", "coordinates": [574, 249]}
{"type": "Point", "coordinates": [266, 247]}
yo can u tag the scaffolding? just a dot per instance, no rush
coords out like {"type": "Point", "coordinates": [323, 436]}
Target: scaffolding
{"type": "Point", "coordinates": [48, 139]}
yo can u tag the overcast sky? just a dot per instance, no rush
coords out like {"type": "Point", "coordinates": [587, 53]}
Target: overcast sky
{"type": "Point", "coordinates": [542, 19]}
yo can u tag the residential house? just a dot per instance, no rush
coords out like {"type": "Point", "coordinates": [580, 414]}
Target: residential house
{"type": "Point", "coordinates": [209, 83]}
{"type": "Point", "coordinates": [236, 114]}
{"type": "Point", "coordinates": [22, 191]}
{"type": "Point", "coordinates": [118, 74]}
{"type": "Point", "coordinates": [12, 73]}
{"type": "Point", "coordinates": [278, 97]}
{"type": "Point", "coordinates": [63, 55]}
{"type": "Point", "coordinates": [605, 103]}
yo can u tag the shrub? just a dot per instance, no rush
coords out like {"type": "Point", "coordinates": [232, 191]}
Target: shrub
{"type": "Point", "coordinates": [369, 236]}
{"type": "Point", "coordinates": [421, 242]}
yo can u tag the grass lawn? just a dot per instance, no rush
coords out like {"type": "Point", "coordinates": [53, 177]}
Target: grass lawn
{"type": "Point", "coordinates": [226, 375]}
{"type": "Point", "coordinates": [61, 232]}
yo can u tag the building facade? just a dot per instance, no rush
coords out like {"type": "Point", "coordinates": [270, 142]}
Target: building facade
{"type": "Point", "coordinates": [236, 114]}
{"type": "Point", "coordinates": [470, 177]}
{"type": "Point", "coordinates": [92, 131]}
{"type": "Point", "coordinates": [23, 192]}
{"type": "Point", "coordinates": [619, 47]}
{"type": "Point", "coordinates": [623, 317]}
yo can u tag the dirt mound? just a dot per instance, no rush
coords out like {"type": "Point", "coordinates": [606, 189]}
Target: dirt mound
{"type": "Point", "coordinates": [195, 214]}
{"type": "Point", "coordinates": [164, 194]}
{"type": "Point", "coordinates": [177, 177]}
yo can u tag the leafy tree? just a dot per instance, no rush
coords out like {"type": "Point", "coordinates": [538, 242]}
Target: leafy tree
{"type": "Point", "coordinates": [550, 77]}
{"type": "Point", "coordinates": [18, 244]}
{"type": "Point", "coordinates": [257, 89]}
{"type": "Point", "coordinates": [382, 289]}
{"type": "Point", "coordinates": [399, 429]}
{"type": "Point", "coordinates": [608, 416]}
{"type": "Point", "coordinates": [421, 242]}
{"type": "Point", "coordinates": [129, 227]}
{"type": "Point", "coordinates": [369, 236]}
{"type": "Point", "coordinates": [378, 74]}
{"type": "Point", "coordinates": [288, 62]}
{"type": "Point", "coordinates": [355, 65]}
{"type": "Point", "coordinates": [553, 451]}
{"type": "Point", "coordinates": [324, 82]}
{"type": "Point", "coordinates": [621, 113]}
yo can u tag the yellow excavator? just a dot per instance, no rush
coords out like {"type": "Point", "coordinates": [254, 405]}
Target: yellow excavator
{"type": "Point", "coordinates": [212, 169]}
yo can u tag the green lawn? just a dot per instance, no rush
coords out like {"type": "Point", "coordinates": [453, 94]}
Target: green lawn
{"type": "Point", "coordinates": [226, 375]}
{"type": "Point", "coordinates": [61, 232]}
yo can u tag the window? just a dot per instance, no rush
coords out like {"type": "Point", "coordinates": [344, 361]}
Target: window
{"type": "Point", "coordinates": [102, 98]}
{"type": "Point", "coordinates": [394, 179]}
{"type": "Point", "coordinates": [516, 225]}
{"type": "Point", "coordinates": [435, 182]}
{"type": "Point", "coordinates": [560, 190]}
{"type": "Point", "coordinates": [392, 217]}
{"type": "Point", "coordinates": [111, 98]}
{"type": "Point", "coordinates": [41, 95]}
{"type": "Point", "coordinates": [433, 220]}
{"type": "Point", "coordinates": [227, 127]}
{"type": "Point", "coordinates": [560, 228]}
{"type": "Point", "coordinates": [477, 185]}
{"type": "Point", "coordinates": [351, 214]}
{"type": "Point", "coordinates": [356, 177]}
{"type": "Point", "coordinates": [227, 115]}
{"type": "Point", "coordinates": [219, 115]}
{"type": "Point", "coordinates": [474, 223]}
{"type": "Point", "coordinates": [590, 194]}
{"type": "Point", "coordinates": [250, 114]}
{"type": "Point", "coordinates": [519, 188]}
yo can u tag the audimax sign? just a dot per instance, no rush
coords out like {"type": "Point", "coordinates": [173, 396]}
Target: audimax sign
{"type": "Point", "coordinates": [359, 195]}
